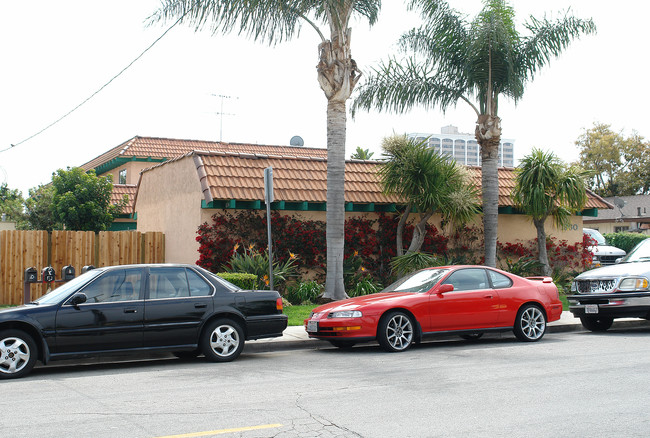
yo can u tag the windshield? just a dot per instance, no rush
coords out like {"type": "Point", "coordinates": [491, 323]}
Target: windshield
{"type": "Point", "coordinates": [640, 253]}
{"type": "Point", "coordinates": [420, 281]}
{"type": "Point", "coordinates": [595, 234]}
{"type": "Point", "coordinates": [62, 292]}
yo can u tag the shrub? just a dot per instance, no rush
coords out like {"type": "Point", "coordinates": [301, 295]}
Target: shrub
{"type": "Point", "coordinates": [364, 286]}
{"type": "Point", "coordinates": [306, 292]}
{"type": "Point", "coordinates": [625, 241]}
{"type": "Point", "coordinates": [526, 266]}
{"type": "Point", "coordinates": [245, 281]}
{"type": "Point", "coordinates": [413, 261]}
{"type": "Point", "coordinates": [255, 262]}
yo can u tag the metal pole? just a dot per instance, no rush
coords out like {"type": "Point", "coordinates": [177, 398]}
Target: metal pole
{"type": "Point", "coordinates": [268, 198]}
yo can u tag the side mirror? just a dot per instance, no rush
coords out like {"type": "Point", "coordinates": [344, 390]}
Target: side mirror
{"type": "Point", "coordinates": [445, 288]}
{"type": "Point", "coordinates": [79, 298]}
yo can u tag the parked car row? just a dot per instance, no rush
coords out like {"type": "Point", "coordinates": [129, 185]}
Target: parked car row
{"type": "Point", "coordinates": [190, 311]}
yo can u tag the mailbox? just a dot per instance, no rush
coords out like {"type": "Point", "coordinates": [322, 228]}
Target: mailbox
{"type": "Point", "coordinates": [87, 268]}
{"type": "Point", "coordinates": [48, 274]}
{"type": "Point", "coordinates": [31, 275]}
{"type": "Point", "coordinates": [67, 273]}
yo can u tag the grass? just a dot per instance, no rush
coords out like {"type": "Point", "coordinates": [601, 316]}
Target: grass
{"type": "Point", "coordinates": [297, 314]}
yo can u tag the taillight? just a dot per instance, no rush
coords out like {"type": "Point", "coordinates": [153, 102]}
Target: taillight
{"type": "Point", "coordinates": [278, 304]}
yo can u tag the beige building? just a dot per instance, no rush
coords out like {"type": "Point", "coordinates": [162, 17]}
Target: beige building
{"type": "Point", "coordinates": [629, 214]}
{"type": "Point", "coordinates": [179, 195]}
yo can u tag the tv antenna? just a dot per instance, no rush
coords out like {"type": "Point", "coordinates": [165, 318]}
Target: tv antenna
{"type": "Point", "coordinates": [221, 113]}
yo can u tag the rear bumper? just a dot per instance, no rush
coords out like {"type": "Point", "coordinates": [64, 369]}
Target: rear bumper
{"type": "Point", "coordinates": [267, 326]}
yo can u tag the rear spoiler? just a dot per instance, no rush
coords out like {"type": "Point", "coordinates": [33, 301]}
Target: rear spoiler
{"type": "Point", "coordinates": [542, 279]}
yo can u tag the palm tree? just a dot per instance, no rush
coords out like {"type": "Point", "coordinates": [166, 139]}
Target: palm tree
{"type": "Point", "coordinates": [428, 183]}
{"type": "Point", "coordinates": [362, 154]}
{"type": "Point", "coordinates": [545, 188]}
{"type": "Point", "coordinates": [453, 60]}
{"type": "Point", "coordinates": [277, 20]}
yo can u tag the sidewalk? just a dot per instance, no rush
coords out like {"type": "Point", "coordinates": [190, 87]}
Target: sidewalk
{"type": "Point", "coordinates": [296, 338]}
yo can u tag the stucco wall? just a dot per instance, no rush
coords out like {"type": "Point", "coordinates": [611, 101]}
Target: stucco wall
{"type": "Point", "coordinates": [169, 200]}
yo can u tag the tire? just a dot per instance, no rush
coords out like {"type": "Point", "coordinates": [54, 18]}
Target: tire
{"type": "Point", "coordinates": [472, 336]}
{"type": "Point", "coordinates": [342, 344]}
{"type": "Point", "coordinates": [192, 354]}
{"type": "Point", "coordinates": [530, 324]}
{"type": "Point", "coordinates": [597, 323]}
{"type": "Point", "coordinates": [396, 332]}
{"type": "Point", "coordinates": [222, 341]}
{"type": "Point", "coordinates": [18, 354]}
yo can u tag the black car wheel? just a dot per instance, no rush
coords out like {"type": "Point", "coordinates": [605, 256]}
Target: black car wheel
{"type": "Point", "coordinates": [342, 344]}
{"type": "Point", "coordinates": [395, 332]}
{"type": "Point", "coordinates": [17, 354]}
{"type": "Point", "coordinates": [596, 323]}
{"type": "Point", "coordinates": [222, 341]}
{"type": "Point", "coordinates": [530, 324]}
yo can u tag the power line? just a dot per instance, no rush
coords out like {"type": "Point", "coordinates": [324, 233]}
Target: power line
{"type": "Point", "coordinates": [102, 87]}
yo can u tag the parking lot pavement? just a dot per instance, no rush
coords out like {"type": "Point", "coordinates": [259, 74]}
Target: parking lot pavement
{"type": "Point", "coordinates": [296, 338]}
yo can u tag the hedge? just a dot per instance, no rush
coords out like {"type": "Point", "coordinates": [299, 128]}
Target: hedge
{"type": "Point", "coordinates": [245, 281]}
{"type": "Point", "coordinates": [625, 241]}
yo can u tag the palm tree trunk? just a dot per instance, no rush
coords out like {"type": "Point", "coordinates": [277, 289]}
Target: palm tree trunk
{"type": "Point", "coordinates": [419, 233]}
{"type": "Point", "coordinates": [541, 246]}
{"type": "Point", "coordinates": [488, 136]}
{"type": "Point", "coordinates": [400, 230]}
{"type": "Point", "coordinates": [335, 232]}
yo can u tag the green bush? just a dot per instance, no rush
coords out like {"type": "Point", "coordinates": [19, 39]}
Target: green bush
{"type": "Point", "coordinates": [625, 241]}
{"type": "Point", "coordinates": [413, 261]}
{"type": "Point", "coordinates": [252, 261]}
{"type": "Point", "coordinates": [526, 266]}
{"type": "Point", "coordinates": [365, 286]}
{"type": "Point", "coordinates": [245, 281]}
{"type": "Point", "coordinates": [306, 292]}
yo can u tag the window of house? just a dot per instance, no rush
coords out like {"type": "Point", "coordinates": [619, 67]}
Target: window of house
{"type": "Point", "coordinates": [122, 177]}
{"type": "Point", "coordinates": [621, 229]}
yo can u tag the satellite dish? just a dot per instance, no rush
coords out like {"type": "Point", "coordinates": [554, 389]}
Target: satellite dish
{"type": "Point", "coordinates": [296, 140]}
{"type": "Point", "coordinates": [620, 203]}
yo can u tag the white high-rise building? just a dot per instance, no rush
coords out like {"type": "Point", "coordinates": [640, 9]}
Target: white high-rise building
{"type": "Point", "coordinates": [463, 147]}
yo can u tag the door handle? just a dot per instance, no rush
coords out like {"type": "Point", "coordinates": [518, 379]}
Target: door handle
{"type": "Point", "coordinates": [489, 297]}
{"type": "Point", "coordinates": [130, 311]}
{"type": "Point", "coordinates": [200, 306]}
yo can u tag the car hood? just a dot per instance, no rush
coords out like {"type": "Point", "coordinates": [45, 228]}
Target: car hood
{"type": "Point", "coordinates": [363, 301]}
{"type": "Point", "coordinates": [613, 271]}
{"type": "Point", "coordinates": [607, 250]}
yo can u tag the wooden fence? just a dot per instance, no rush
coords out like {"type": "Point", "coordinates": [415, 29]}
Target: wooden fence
{"type": "Point", "coordinates": [20, 250]}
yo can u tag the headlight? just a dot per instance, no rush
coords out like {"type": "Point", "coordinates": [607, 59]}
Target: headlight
{"type": "Point", "coordinates": [346, 314]}
{"type": "Point", "coordinates": [574, 287]}
{"type": "Point", "coordinates": [632, 284]}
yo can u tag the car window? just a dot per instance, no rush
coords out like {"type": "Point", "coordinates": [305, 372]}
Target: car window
{"type": "Point", "coordinates": [468, 279]}
{"type": "Point", "coordinates": [168, 282]}
{"type": "Point", "coordinates": [499, 281]}
{"type": "Point", "coordinates": [418, 282]}
{"type": "Point", "coordinates": [198, 286]}
{"type": "Point", "coordinates": [115, 285]}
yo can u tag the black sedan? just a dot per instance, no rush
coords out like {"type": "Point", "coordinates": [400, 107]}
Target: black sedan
{"type": "Point", "coordinates": [134, 308]}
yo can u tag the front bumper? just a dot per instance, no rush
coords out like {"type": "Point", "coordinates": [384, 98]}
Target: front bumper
{"type": "Point", "coordinates": [615, 305]}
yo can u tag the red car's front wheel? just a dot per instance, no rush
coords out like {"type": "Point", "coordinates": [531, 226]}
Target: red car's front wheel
{"type": "Point", "coordinates": [395, 332]}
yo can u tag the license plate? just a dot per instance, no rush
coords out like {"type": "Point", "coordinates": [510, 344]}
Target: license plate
{"type": "Point", "coordinates": [312, 326]}
{"type": "Point", "coordinates": [591, 308]}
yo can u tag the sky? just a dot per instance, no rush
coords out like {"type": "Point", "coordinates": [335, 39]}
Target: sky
{"type": "Point", "coordinates": [57, 54]}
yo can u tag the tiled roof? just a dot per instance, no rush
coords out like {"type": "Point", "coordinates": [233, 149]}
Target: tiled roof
{"type": "Point", "coordinates": [119, 190]}
{"type": "Point", "coordinates": [152, 147]}
{"type": "Point", "coordinates": [226, 176]}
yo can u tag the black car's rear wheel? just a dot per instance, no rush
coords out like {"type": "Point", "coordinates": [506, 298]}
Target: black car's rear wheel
{"type": "Point", "coordinates": [530, 324]}
{"type": "Point", "coordinates": [18, 353]}
{"type": "Point", "coordinates": [395, 332]}
{"type": "Point", "coordinates": [222, 341]}
{"type": "Point", "coordinates": [596, 323]}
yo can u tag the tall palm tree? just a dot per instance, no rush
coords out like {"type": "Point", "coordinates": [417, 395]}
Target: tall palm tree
{"type": "Point", "coordinates": [428, 183]}
{"type": "Point", "coordinates": [475, 62]}
{"type": "Point", "coordinates": [276, 20]}
{"type": "Point", "coordinates": [545, 188]}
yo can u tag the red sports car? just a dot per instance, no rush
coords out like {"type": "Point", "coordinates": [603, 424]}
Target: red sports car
{"type": "Point", "coordinates": [466, 300]}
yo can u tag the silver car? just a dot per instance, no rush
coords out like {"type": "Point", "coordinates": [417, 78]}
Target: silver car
{"type": "Point", "coordinates": [617, 291]}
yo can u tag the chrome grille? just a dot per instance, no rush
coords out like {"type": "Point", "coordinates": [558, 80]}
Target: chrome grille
{"type": "Point", "coordinates": [595, 286]}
